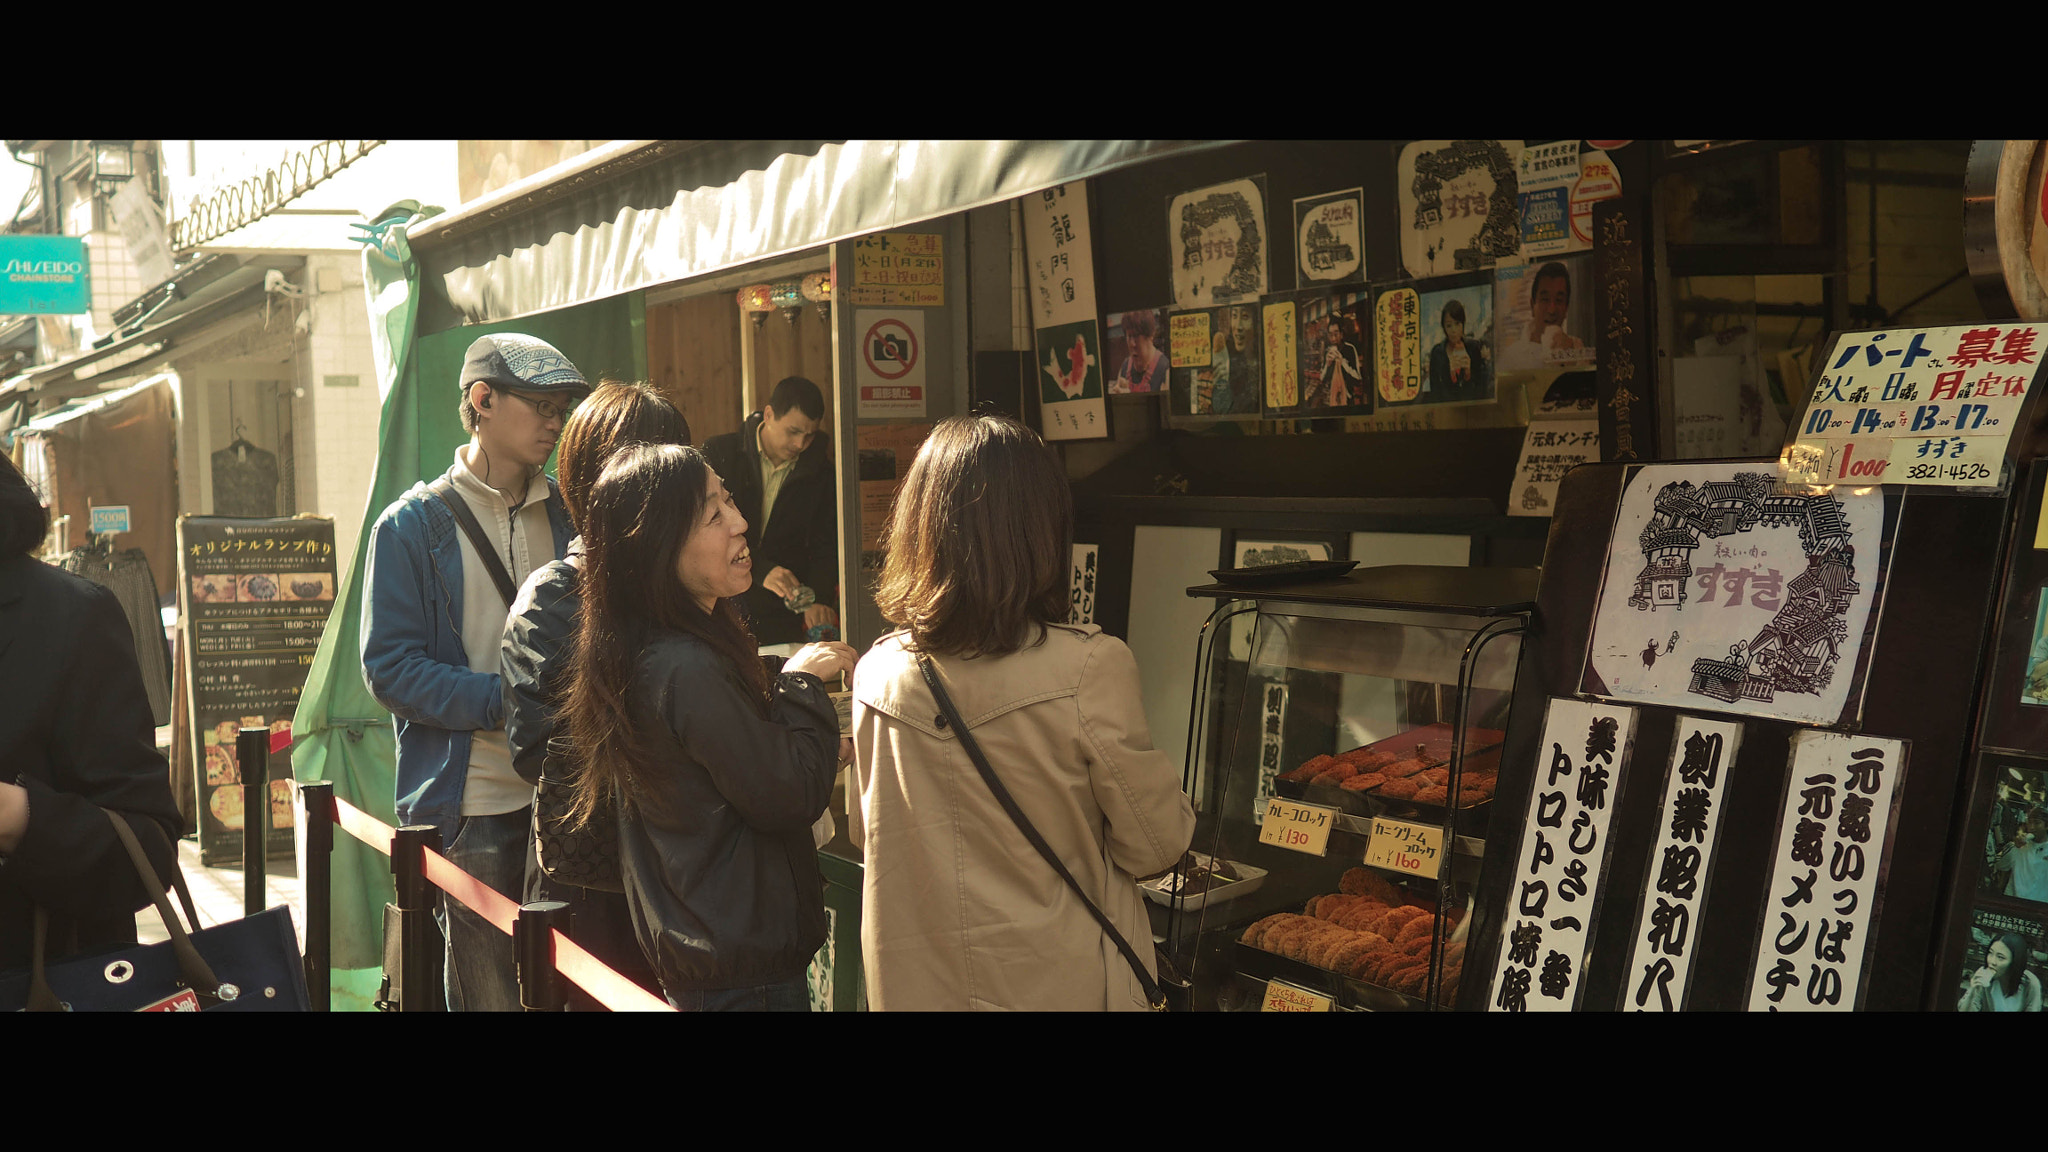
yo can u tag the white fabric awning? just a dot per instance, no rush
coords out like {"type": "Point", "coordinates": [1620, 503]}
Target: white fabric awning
{"type": "Point", "coordinates": [636, 214]}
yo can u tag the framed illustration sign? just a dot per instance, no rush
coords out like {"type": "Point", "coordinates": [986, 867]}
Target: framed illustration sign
{"type": "Point", "coordinates": [1329, 239]}
{"type": "Point", "coordinates": [1218, 239]}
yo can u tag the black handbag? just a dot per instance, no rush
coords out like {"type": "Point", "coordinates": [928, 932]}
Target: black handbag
{"type": "Point", "coordinates": [587, 857]}
{"type": "Point", "coordinates": [1170, 990]}
{"type": "Point", "coordinates": [246, 965]}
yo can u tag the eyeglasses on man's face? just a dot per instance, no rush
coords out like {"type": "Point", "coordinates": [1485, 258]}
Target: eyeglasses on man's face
{"type": "Point", "coordinates": [545, 409]}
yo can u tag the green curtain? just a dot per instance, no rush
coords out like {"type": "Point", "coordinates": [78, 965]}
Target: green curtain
{"type": "Point", "coordinates": [340, 732]}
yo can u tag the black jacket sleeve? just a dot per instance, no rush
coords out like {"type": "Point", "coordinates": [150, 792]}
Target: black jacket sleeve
{"type": "Point", "coordinates": [102, 754]}
{"type": "Point", "coordinates": [776, 773]}
{"type": "Point", "coordinates": [537, 637]}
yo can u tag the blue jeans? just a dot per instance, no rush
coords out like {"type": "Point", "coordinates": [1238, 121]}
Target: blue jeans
{"type": "Point", "coordinates": [480, 974]}
{"type": "Point", "coordinates": [793, 996]}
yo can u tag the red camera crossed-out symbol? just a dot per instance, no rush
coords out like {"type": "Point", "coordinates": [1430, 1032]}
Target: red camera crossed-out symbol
{"type": "Point", "coordinates": [890, 349]}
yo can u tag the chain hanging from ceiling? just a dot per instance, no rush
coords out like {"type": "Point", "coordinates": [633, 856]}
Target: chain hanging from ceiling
{"type": "Point", "coordinates": [235, 205]}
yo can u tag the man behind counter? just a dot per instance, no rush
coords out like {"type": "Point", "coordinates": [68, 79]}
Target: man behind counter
{"type": "Point", "coordinates": [780, 476]}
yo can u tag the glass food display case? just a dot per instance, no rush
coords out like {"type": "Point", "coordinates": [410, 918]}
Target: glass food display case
{"type": "Point", "coordinates": [1344, 743]}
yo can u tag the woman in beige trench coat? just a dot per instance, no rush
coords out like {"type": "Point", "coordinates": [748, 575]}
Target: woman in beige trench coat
{"type": "Point", "coordinates": [960, 912]}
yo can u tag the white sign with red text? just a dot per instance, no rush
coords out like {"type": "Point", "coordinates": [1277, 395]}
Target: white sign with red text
{"type": "Point", "coordinates": [889, 365]}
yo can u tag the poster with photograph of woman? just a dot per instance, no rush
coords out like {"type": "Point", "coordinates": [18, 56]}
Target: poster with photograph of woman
{"type": "Point", "coordinates": [1454, 318]}
{"type": "Point", "coordinates": [2016, 836]}
{"type": "Point", "coordinates": [2002, 962]}
{"type": "Point", "coordinates": [1229, 384]}
{"type": "Point", "coordinates": [1137, 351]}
{"type": "Point", "coordinates": [1545, 315]}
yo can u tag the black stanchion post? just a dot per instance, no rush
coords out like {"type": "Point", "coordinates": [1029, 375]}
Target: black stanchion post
{"type": "Point", "coordinates": [419, 990]}
{"type": "Point", "coordinates": [252, 758]}
{"type": "Point", "coordinates": [317, 799]}
{"type": "Point", "coordinates": [541, 987]}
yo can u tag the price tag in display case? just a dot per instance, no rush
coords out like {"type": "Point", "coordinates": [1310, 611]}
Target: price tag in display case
{"type": "Point", "coordinates": [1284, 997]}
{"type": "Point", "coordinates": [1298, 827]}
{"type": "Point", "coordinates": [1405, 847]}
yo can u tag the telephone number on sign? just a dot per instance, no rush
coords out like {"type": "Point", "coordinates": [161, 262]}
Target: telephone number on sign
{"type": "Point", "coordinates": [1948, 472]}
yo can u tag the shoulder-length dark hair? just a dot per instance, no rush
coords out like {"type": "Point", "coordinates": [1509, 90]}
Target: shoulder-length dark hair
{"type": "Point", "coordinates": [980, 540]}
{"type": "Point", "coordinates": [2015, 972]}
{"type": "Point", "coordinates": [647, 501]}
{"type": "Point", "coordinates": [615, 414]}
{"type": "Point", "coordinates": [23, 519]}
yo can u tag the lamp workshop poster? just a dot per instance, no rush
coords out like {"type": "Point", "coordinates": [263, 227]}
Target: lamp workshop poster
{"type": "Point", "coordinates": [254, 595]}
{"type": "Point", "coordinates": [1726, 592]}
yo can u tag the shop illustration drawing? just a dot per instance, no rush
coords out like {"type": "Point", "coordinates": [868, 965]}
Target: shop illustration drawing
{"type": "Point", "coordinates": [1797, 651]}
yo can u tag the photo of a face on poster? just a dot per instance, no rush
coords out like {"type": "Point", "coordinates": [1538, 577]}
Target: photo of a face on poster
{"type": "Point", "coordinates": [2016, 839]}
{"type": "Point", "coordinates": [1137, 351]}
{"type": "Point", "coordinates": [1456, 338]}
{"type": "Point", "coordinates": [1546, 315]}
{"type": "Point", "coordinates": [2002, 962]}
{"type": "Point", "coordinates": [1231, 381]}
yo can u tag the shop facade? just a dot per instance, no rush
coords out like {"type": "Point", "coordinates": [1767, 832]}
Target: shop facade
{"type": "Point", "coordinates": [1314, 405]}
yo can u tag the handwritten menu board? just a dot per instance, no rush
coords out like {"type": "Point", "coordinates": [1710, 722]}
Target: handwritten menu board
{"type": "Point", "coordinates": [1702, 753]}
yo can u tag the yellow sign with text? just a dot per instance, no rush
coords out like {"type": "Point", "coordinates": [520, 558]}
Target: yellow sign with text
{"type": "Point", "coordinates": [1284, 997]}
{"type": "Point", "coordinates": [1404, 847]}
{"type": "Point", "coordinates": [1188, 340]}
{"type": "Point", "coordinates": [1300, 827]}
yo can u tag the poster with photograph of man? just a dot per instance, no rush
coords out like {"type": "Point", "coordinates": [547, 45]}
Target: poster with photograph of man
{"type": "Point", "coordinates": [1137, 351]}
{"type": "Point", "coordinates": [2002, 962]}
{"type": "Point", "coordinates": [1545, 311]}
{"type": "Point", "coordinates": [1454, 323]}
{"type": "Point", "coordinates": [1333, 356]}
{"type": "Point", "coordinates": [1230, 383]}
{"type": "Point", "coordinates": [2016, 836]}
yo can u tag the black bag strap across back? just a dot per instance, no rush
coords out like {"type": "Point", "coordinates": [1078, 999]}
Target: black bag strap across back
{"type": "Point", "coordinates": [475, 531]}
{"type": "Point", "coordinates": [951, 717]}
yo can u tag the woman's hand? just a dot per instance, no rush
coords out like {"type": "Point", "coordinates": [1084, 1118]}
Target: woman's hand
{"type": "Point", "coordinates": [845, 751]}
{"type": "Point", "coordinates": [1982, 979]}
{"type": "Point", "coordinates": [826, 660]}
{"type": "Point", "coordinates": [13, 817]}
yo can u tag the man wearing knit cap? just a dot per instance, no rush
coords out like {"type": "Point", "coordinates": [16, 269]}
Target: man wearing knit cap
{"type": "Point", "coordinates": [443, 565]}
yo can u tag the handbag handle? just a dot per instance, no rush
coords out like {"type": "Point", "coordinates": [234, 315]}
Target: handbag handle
{"type": "Point", "coordinates": [1154, 995]}
{"type": "Point", "coordinates": [198, 974]}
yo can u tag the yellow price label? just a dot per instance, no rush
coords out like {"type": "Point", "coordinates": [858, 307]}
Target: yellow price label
{"type": "Point", "coordinates": [1417, 849]}
{"type": "Point", "coordinates": [1284, 997]}
{"type": "Point", "coordinates": [1299, 827]}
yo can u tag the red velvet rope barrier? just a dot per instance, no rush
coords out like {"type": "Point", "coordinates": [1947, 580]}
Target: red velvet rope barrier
{"type": "Point", "coordinates": [571, 960]}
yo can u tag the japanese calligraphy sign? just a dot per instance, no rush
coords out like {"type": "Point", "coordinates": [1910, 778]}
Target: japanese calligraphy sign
{"type": "Point", "coordinates": [1702, 756]}
{"type": "Point", "coordinates": [1725, 592]}
{"type": "Point", "coordinates": [1283, 385]}
{"type": "Point", "coordinates": [1916, 406]}
{"type": "Point", "coordinates": [1558, 868]}
{"type": "Point", "coordinates": [1832, 847]}
{"type": "Point", "coordinates": [1217, 237]}
{"type": "Point", "coordinates": [1458, 210]}
{"type": "Point", "coordinates": [1298, 827]}
{"type": "Point", "coordinates": [889, 368]}
{"type": "Point", "coordinates": [1082, 607]}
{"type": "Point", "coordinates": [1550, 449]}
{"type": "Point", "coordinates": [1061, 255]}
{"type": "Point", "coordinates": [1405, 846]}
{"type": "Point", "coordinates": [1329, 239]}
{"type": "Point", "coordinates": [254, 596]}
{"type": "Point", "coordinates": [1397, 346]}
{"type": "Point", "coordinates": [1284, 997]}
{"type": "Point", "coordinates": [899, 269]}
{"type": "Point", "coordinates": [1189, 333]}
{"type": "Point", "coordinates": [1626, 380]}
{"type": "Point", "coordinates": [1272, 723]}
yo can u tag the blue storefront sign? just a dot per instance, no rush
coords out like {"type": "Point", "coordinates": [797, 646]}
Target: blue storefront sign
{"type": "Point", "coordinates": [44, 276]}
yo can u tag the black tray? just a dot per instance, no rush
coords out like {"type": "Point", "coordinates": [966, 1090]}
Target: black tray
{"type": "Point", "coordinates": [1297, 572]}
{"type": "Point", "coordinates": [1330, 796]}
{"type": "Point", "coordinates": [1261, 965]}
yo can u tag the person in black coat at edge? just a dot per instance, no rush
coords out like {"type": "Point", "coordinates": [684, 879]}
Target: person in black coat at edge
{"type": "Point", "coordinates": [542, 622]}
{"type": "Point", "coordinates": [76, 735]}
{"type": "Point", "coordinates": [780, 475]}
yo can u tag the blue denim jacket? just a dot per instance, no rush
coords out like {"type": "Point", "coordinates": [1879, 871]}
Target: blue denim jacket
{"type": "Point", "coordinates": [413, 659]}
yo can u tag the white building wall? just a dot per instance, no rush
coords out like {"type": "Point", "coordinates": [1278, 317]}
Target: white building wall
{"type": "Point", "coordinates": [342, 418]}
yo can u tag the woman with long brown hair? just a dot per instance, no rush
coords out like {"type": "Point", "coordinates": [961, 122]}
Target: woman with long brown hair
{"type": "Point", "coordinates": [960, 910]}
{"type": "Point", "coordinates": [716, 772]}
